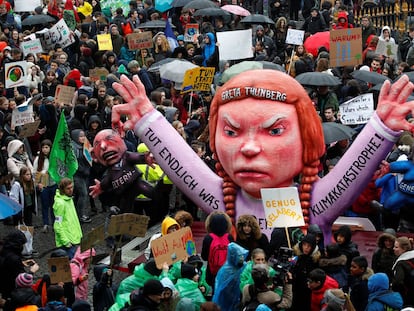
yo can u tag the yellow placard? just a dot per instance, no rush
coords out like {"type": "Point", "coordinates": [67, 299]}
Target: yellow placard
{"type": "Point", "coordinates": [198, 79]}
{"type": "Point", "coordinates": [104, 42]}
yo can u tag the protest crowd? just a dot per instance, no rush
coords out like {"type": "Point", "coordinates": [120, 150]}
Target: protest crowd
{"type": "Point", "coordinates": [59, 62]}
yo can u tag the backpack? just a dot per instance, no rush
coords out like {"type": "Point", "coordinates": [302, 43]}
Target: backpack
{"type": "Point", "coordinates": [410, 284]}
{"type": "Point", "coordinates": [218, 252]}
{"type": "Point", "coordinates": [253, 303]}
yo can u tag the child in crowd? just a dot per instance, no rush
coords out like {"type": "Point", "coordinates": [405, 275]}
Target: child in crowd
{"type": "Point", "coordinates": [23, 192]}
{"type": "Point", "coordinates": [103, 291]}
{"type": "Point", "coordinates": [79, 267]}
{"type": "Point", "coordinates": [346, 247]}
{"type": "Point", "coordinates": [384, 256]}
{"type": "Point", "coordinates": [380, 296]}
{"type": "Point", "coordinates": [55, 299]}
{"type": "Point", "coordinates": [360, 272]}
{"type": "Point", "coordinates": [318, 283]}
{"type": "Point", "coordinates": [334, 264]}
{"type": "Point", "coordinates": [188, 286]}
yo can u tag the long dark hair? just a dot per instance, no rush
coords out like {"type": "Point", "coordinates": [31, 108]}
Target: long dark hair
{"type": "Point", "coordinates": [42, 156]}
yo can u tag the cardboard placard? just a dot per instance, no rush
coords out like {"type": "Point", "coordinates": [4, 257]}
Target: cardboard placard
{"type": "Point", "coordinates": [15, 74]}
{"type": "Point", "coordinates": [173, 247]}
{"type": "Point", "coordinates": [198, 79]}
{"type": "Point", "coordinates": [98, 74]}
{"type": "Point", "coordinates": [41, 178]}
{"type": "Point", "coordinates": [140, 40]}
{"type": "Point", "coordinates": [295, 36]}
{"type": "Point", "coordinates": [86, 153]}
{"type": "Point", "coordinates": [282, 207]}
{"type": "Point", "coordinates": [31, 46]}
{"type": "Point", "coordinates": [29, 129]}
{"type": "Point", "coordinates": [128, 223]}
{"type": "Point", "coordinates": [345, 47]}
{"type": "Point", "coordinates": [191, 32]}
{"type": "Point", "coordinates": [104, 42]}
{"type": "Point", "coordinates": [59, 270]}
{"type": "Point", "coordinates": [357, 110]}
{"type": "Point", "coordinates": [22, 114]}
{"type": "Point", "coordinates": [92, 238]}
{"type": "Point", "coordinates": [64, 94]}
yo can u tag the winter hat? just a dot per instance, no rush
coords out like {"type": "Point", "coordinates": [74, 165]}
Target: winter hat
{"type": "Point", "coordinates": [153, 287]}
{"type": "Point", "coordinates": [378, 282]}
{"type": "Point", "coordinates": [180, 38]}
{"type": "Point", "coordinates": [167, 283]}
{"type": "Point", "coordinates": [81, 305]}
{"type": "Point", "coordinates": [335, 295]}
{"type": "Point", "coordinates": [309, 238]}
{"type": "Point", "coordinates": [151, 267]}
{"type": "Point", "coordinates": [263, 307]}
{"type": "Point", "coordinates": [390, 231]}
{"type": "Point", "coordinates": [260, 274]}
{"type": "Point", "coordinates": [188, 271]}
{"type": "Point", "coordinates": [48, 99]}
{"type": "Point", "coordinates": [259, 27]}
{"type": "Point", "coordinates": [24, 280]}
{"type": "Point", "coordinates": [315, 9]}
{"type": "Point", "coordinates": [122, 69]}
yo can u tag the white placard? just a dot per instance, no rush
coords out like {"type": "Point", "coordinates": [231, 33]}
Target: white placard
{"type": "Point", "coordinates": [295, 36]}
{"type": "Point", "coordinates": [357, 110]}
{"type": "Point", "coordinates": [235, 44]}
{"type": "Point", "coordinates": [282, 207]}
{"type": "Point", "coordinates": [15, 74]}
{"type": "Point", "coordinates": [388, 49]}
{"type": "Point", "coordinates": [22, 114]}
{"type": "Point", "coordinates": [32, 46]}
{"type": "Point", "coordinates": [58, 34]}
{"type": "Point", "coordinates": [26, 5]}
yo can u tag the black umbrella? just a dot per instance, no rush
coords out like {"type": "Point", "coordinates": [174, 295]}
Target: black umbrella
{"type": "Point", "coordinates": [200, 4]}
{"type": "Point", "coordinates": [333, 132]}
{"type": "Point", "coordinates": [40, 19]}
{"type": "Point", "coordinates": [318, 79]}
{"type": "Point", "coordinates": [409, 74]}
{"type": "Point", "coordinates": [180, 3]}
{"type": "Point", "coordinates": [154, 24]}
{"type": "Point", "coordinates": [369, 76]}
{"type": "Point", "coordinates": [211, 12]}
{"type": "Point", "coordinates": [257, 19]}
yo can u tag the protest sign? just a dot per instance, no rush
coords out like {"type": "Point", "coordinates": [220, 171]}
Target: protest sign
{"type": "Point", "coordinates": [104, 42]}
{"type": "Point", "coordinates": [173, 247]}
{"type": "Point", "coordinates": [98, 74]}
{"type": "Point", "coordinates": [26, 5]}
{"type": "Point", "coordinates": [29, 129]}
{"type": "Point", "coordinates": [41, 178]}
{"type": "Point", "coordinates": [191, 32]}
{"type": "Point", "coordinates": [388, 49]}
{"type": "Point", "coordinates": [86, 153]}
{"type": "Point", "coordinates": [32, 46]}
{"type": "Point", "coordinates": [128, 223]}
{"type": "Point", "coordinates": [59, 34]}
{"type": "Point", "coordinates": [140, 40]}
{"type": "Point", "coordinates": [22, 114]}
{"type": "Point", "coordinates": [295, 36]}
{"type": "Point", "coordinates": [229, 39]}
{"type": "Point", "coordinates": [59, 270]}
{"type": "Point", "coordinates": [15, 74]}
{"type": "Point", "coordinates": [198, 79]}
{"type": "Point", "coordinates": [92, 238]}
{"type": "Point", "coordinates": [357, 110]}
{"type": "Point", "coordinates": [64, 94]}
{"type": "Point", "coordinates": [282, 207]}
{"type": "Point", "coordinates": [345, 47]}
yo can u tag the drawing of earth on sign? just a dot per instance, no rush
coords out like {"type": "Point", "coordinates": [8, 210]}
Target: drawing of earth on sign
{"type": "Point", "coordinates": [15, 73]}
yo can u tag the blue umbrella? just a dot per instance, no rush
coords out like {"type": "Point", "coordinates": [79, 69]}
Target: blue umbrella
{"type": "Point", "coordinates": [8, 207]}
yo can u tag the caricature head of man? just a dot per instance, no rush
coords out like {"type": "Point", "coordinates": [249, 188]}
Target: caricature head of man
{"type": "Point", "coordinates": [277, 137]}
{"type": "Point", "coordinates": [108, 147]}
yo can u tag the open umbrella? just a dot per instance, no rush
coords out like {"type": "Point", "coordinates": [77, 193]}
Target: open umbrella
{"type": "Point", "coordinates": [409, 74]}
{"type": "Point", "coordinates": [247, 65]}
{"type": "Point", "coordinates": [180, 3]}
{"type": "Point", "coordinates": [154, 24]}
{"type": "Point", "coordinates": [175, 70]}
{"type": "Point", "coordinates": [156, 66]}
{"type": "Point", "coordinates": [200, 4]}
{"type": "Point", "coordinates": [211, 12]}
{"type": "Point", "coordinates": [40, 19]}
{"type": "Point", "coordinates": [257, 19]}
{"type": "Point", "coordinates": [8, 207]}
{"type": "Point", "coordinates": [314, 42]}
{"type": "Point", "coordinates": [369, 76]}
{"type": "Point", "coordinates": [318, 79]}
{"type": "Point", "coordinates": [333, 132]}
{"type": "Point", "coordinates": [235, 9]}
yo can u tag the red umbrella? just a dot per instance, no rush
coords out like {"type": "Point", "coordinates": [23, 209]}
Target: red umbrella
{"type": "Point", "coordinates": [314, 42]}
{"type": "Point", "coordinates": [235, 9]}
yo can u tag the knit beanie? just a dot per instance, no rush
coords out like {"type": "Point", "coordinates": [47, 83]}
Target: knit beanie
{"type": "Point", "coordinates": [153, 287]}
{"type": "Point", "coordinates": [188, 271]}
{"type": "Point", "coordinates": [335, 295]}
{"type": "Point", "coordinates": [24, 280]}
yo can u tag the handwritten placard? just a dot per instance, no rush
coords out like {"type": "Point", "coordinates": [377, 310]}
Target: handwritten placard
{"type": "Point", "coordinates": [345, 47]}
{"type": "Point", "coordinates": [59, 270]}
{"type": "Point", "coordinates": [128, 223]}
{"type": "Point", "coordinates": [98, 74]}
{"type": "Point", "coordinates": [198, 79]}
{"type": "Point", "coordinates": [15, 74]}
{"type": "Point", "coordinates": [22, 114]}
{"type": "Point", "coordinates": [58, 34]}
{"type": "Point", "coordinates": [29, 129]}
{"type": "Point", "coordinates": [191, 32]}
{"type": "Point", "coordinates": [92, 238]}
{"type": "Point", "coordinates": [357, 110]}
{"type": "Point", "coordinates": [295, 36]}
{"type": "Point", "coordinates": [64, 94]}
{"type": "Point", "coordinates": [31, 46]}
{"type": "Point", "coordinates": [140, 40]}
{"type": "Point", "coordinates": [173, 247]}
{"type": "Point", "coordinates": [86, 151]}
{"type": "Point", "coordinates": [388, 49]}
{"type": "Point", "coordinates": [104, 42]}
{"type": "Point", "coordinates": [282, 207]}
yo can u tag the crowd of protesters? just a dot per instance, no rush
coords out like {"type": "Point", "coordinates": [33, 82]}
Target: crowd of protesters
{"type": "Point", "coordinates": [330, 277]}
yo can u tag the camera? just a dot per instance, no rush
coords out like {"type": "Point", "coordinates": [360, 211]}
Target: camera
{"type": "Point", "coordinates": [281, 263]}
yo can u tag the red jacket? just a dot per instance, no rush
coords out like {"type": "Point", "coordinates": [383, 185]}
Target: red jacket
{"type": "Point", "coordinates": [317, 294]}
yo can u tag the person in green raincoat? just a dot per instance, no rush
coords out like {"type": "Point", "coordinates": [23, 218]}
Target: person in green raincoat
{"type": "Point", "coordinates": [188, 286]}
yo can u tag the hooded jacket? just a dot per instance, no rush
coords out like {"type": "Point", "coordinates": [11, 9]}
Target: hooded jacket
{"type": "Point", "coordinates": [380, 295]}
{"type": "Point", "coordinates": [318, 294]}
{"type": "Point", "coordinates": [340, 24]}
{"type": "Point", "coordinates": [401, 281]}
{"type": "Point", "coordinates": [79, 268]}
{"type": "Point", "coordinates": [103, 293]}
{"type": "Point", "coordinates": [67, 227]}
{"type": "Point", "coordinates": [383, 258]}
{"type": "Point", "coordinates": [15, 162]}
{"type": "Point", "coordinates": [348, 248]}
{"type": "Point", "coordinates": [255, 240]}
{"type": "Point", "coordinates": [165, 225]}
{"type": "Point", "coordinates": [381, 37]}
{"type": "Point", "coordinates": [83, 165]}
{"type": "Point", "coordinates": [189, 289]}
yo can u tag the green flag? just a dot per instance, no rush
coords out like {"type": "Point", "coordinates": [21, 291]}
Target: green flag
{"type": "Point", "coordinates": [62, 159]}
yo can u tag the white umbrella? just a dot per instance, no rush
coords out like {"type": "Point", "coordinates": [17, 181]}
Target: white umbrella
{"type": "Point", "coordinates": [175, 70]}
